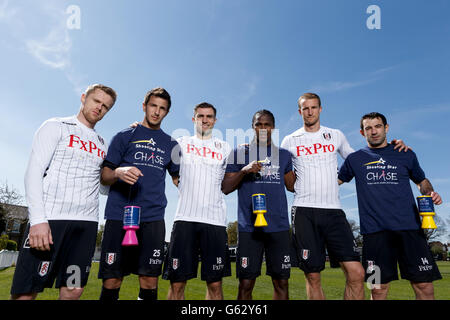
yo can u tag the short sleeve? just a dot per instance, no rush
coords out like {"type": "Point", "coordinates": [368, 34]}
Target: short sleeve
{"type": "Point", "coordinates": [288, 163]}
{"type": "Point", "coordinates": [173, 166]}
{"type": "Point", "coordinates": [116, 151]}
{"type": "Point", "coordinates": [226, 155]}
{"type": "Point", "coordinates": [416, 173]}
{"type": "Point", "coordinates": [346, 172]}
{"type": "Point", "coordinates": [286, 144]}
{"type": "Point", "coordinates": [233, 163]}
{"type": "Point", "coordinates": [344, 147]}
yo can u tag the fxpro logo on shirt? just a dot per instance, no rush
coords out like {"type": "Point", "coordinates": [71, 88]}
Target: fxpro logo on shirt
{"type": "Point", "coordinates": [379, 172]}
{"type": "Point", "coordinates": [148, 154]}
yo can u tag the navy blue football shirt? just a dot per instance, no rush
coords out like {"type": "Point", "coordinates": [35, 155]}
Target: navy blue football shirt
{"type": "Point", "coordinates": [385, 198]}
{"type": "Point", "coordinates": [151, 151]}
{"type": "Point", "coordinates": [269, 181]}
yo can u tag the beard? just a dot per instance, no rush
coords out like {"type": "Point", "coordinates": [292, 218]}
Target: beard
{"type": "Point", "coordinates": [203, 132]}
{"type": "Point", "coordinates": [376, 143]}
{"type": "Point", "coordinates": [153, 123]}
{"type": "Point", "coordinates": [310, 122]}
{"type": "Point", "coordinates": [92, 119]}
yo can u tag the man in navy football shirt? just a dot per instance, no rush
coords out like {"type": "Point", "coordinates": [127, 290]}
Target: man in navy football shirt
{"type": "Point", "coordinates": [389, 218]}
{"type": "Point", "coordinates": [135, 167]}
{"type": "Point", "coordinates": [261, 167]}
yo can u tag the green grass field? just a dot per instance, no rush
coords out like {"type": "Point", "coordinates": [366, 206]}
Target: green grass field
{"type": "Point", "coordinates": [332, 280]}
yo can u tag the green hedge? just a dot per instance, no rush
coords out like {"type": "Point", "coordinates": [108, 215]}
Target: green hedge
{"type": "Point", "coordinates": [7, 244]}
{"type": "Point", "coordinates": [3, 241]}
{"type": "Point", "coordinates": [11, 245]}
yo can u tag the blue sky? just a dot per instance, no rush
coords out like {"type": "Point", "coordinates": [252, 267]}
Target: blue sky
{"type": "Point", "coordinates": [240, 56]}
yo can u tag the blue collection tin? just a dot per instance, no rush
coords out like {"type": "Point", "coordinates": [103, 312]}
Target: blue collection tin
{"type": "Point", "coordinates": [131, 216]}
{"type": "Point", "coordinates": [425, 204]}
{"type": "Point", "coordinates": [259, 203]}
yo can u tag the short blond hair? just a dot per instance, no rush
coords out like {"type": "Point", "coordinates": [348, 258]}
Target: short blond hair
{"type": "Point", "coordinates": [308, 96]}
{"type": "Point", "coordinates": [109, 91]}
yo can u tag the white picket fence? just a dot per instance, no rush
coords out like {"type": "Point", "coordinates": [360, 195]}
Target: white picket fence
{"type": "Point", "coordinates": [8, 258]}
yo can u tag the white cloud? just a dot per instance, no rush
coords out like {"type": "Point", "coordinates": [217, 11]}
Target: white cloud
{"type": "Point", "coordinates": [335, 86]}
{"type": "Point", "coordinates": [7, 14]}
{"type": "Point", "coordinates": [53, 50]}
{"type": "Point", "coordinates": [383, 70]}
{"type": "Point", "coordinates": [44, 35]}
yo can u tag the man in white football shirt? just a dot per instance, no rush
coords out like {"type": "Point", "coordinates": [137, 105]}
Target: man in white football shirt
{"type": "Point", "coordinates": [62, 183]}
{"type": "Point", "coordinates": [317, 218]}
{"type": "Point", "coordinates": [200, 220]}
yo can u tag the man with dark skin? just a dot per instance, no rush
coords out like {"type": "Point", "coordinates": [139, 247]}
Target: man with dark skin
{"type": "Point", "coordinates": [250, 173]}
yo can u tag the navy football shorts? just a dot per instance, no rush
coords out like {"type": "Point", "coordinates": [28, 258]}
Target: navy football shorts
{"type": "Point", "coordinates": [275, 247]}
{"type": "Point", "coordinates": [194, 241]}
{"type": "Point", "coordinates": [383, 250]}
{"type": "Point", "coordinates": [316, 230]}
{"type": "Point", "coordinates": [145, 259]}
{"type": "Point", "coordinates": [68, 261]}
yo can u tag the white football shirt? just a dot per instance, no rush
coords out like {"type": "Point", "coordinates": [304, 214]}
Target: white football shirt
{"type": "Point", "coordinates": [62, 180]}
{"type": "Point", "coordinates": [202, 168]}
{"type": "Point", "coordinates": [314, 158]}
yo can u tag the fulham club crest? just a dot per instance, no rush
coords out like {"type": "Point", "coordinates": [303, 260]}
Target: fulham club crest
{"type": "Point", "coordinates": [327, 136]}
{"type": "Point", "coordinates": [244, 262]}
{"type": "Point", "coordinates": [43, 268]}
{"type": "Point", "coordinates": [175, 264]}
{"type": "Point", "coordinates": [110, 258]}
{"type": "Point", "coordinates": [370, 266]}
{"type": "Point", "coordinates": [305, 254]}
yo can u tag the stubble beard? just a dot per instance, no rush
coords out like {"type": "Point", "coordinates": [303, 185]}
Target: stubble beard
{"type": "Point", "coordinates": [374, 143]}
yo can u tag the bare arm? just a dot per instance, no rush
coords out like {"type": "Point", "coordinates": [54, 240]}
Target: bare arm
{"type": "Point", "coordinates": [426, 188]}
{"type": "Point", "coordinates": [289, 181]}
{"type": "Point", "coordinates": [176, 180]}
{"type": "Point", "coordinates": [232, 180]}
{"type": "Point", "coordinates": [340, 181]}
{"type": "Point", "coordinates": [129, 175]}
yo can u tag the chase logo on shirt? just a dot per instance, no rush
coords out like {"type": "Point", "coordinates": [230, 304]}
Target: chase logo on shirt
{"type": "Point", "coordinates": [270, 172]}
{"type": "Point", "coordinates": [151, 141]}
{"type": "Point", "coordinates": [380, 172]}
{"type": "Point", "coordinates": [381, 161]}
